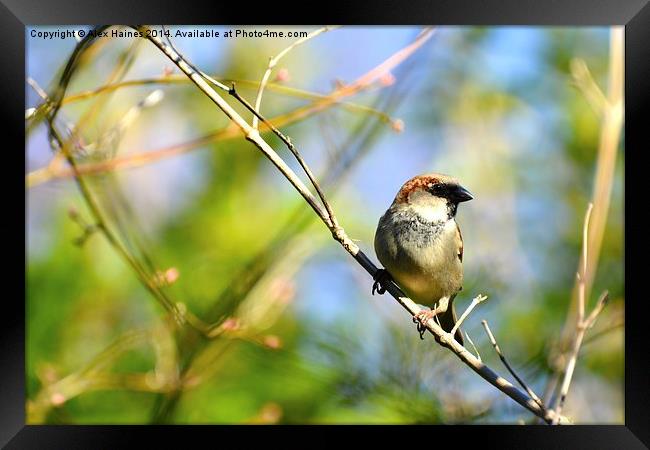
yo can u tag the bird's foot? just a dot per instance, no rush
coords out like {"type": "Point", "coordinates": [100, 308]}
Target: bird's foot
{"type": "Point", "coordinates": [421, 320]}
{"type": "Point", "coordinates": [382, 277]}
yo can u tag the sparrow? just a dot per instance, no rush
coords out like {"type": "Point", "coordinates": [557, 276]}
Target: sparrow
{"type": "Point", "coordinates": [421, 248]}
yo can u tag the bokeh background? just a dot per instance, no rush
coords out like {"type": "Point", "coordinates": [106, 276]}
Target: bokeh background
{"type": "Point", "coordinates": [298, 338]}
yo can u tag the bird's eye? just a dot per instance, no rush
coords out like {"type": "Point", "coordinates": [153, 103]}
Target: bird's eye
{"type": "Point", "coordinates": [439, 190]}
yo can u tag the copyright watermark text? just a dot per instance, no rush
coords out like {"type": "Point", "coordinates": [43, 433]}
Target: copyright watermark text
{"type": "Point", "coordinates": [166, 32]}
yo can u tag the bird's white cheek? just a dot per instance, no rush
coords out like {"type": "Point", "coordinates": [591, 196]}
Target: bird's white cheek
{"type": "Point", "coordinates": [433, 211]}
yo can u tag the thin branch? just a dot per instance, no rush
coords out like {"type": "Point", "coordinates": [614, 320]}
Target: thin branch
{"type": "Point", "coordinates": [182, 79]}
{"type": "Point", "coordinates": [469, 339]}
{"type": "Point", "coordinates": [582, 324]}
{"type": "Point", "coordinates": [251, 134]}
{"type": "Point", "coordinates": [296, 154]}
{"type": "Point", "coordinates": [493, 341]}
{"type": "Point", "coordinates": [595, 336]}
{"type": "Point", "coordinates": [39, 90]}
{"type": "Point", "coordinates": [274, 61]}
{"type": "Point", "coordinates": [582, 328]}
{"type": "Point", "coordinates": [582, 276]}
{"type": "Point", "coordinates": [568, 373]}
{"type": "Point", "coordinates": [584, 81]}
{"type": "Point", "coordinates": [475, 301]}
{"type": "Point", "coordinates": [600, 304]}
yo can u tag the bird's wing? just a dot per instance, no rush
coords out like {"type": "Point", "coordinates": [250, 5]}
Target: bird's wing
{"type": "Point", "coordinates": [459, 239]}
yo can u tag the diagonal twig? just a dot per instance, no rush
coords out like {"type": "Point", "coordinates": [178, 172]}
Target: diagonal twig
{"type": "Point", "coordinates": [294, 151]}
{"type": "Point", "coordinates": [469, 339]}
{"type": "Point", "coordinates": [493, 341]}
{"type": "Point", "coordinates": [475, 301]}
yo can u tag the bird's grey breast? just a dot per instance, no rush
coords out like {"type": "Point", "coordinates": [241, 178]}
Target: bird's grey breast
{"type": "Point", "coordinates": [414, 230]}
{"type": "Point", "coordinates": [405, 240]}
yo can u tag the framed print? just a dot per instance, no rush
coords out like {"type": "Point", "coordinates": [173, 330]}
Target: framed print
{"type": "Point", "coordinates": [421, 214]}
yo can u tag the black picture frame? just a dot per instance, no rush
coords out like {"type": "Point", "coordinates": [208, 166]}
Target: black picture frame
{"type": "Point", "coordinates": [633, 14]}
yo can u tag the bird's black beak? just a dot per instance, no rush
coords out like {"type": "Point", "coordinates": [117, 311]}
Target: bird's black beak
{"type": "Point", "coordinates": [460, 194]}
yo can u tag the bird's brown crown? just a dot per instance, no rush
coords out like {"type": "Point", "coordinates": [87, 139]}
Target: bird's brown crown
{"type": "Point", "coordinates": [424, 181]}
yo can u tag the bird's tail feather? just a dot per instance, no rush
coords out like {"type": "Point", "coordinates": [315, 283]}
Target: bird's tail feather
{"type": "Point", "coordinates": [448, 320]}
